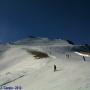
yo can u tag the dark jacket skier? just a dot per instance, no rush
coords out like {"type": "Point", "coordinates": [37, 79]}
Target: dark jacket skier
{"type": "Point", "coordinates": [84, 58]}
{"type": "Point", "coordinates": [55, 67]}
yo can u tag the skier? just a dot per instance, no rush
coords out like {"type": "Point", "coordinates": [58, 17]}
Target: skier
{"type": "Point", "coordinates": [84, 58]}
{"type": "Point", "coordinates": [67, 56]}
{"type": "Point", "coordinates": [55, 67]}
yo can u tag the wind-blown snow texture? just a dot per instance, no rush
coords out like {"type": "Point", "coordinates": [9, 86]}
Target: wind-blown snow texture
{"type": "Point", "coordinates": [19, 67]}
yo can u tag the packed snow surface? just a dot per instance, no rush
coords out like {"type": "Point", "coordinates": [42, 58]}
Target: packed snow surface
{"type": "Point", "coordinates": [19, 67]}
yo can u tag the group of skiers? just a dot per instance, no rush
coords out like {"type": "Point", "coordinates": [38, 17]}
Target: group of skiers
{"type": "Point", "coordinates": [67, 56]}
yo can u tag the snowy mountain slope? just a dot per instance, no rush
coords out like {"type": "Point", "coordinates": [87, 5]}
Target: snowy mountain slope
{"type": "Point", "coordinates": [19, 66]}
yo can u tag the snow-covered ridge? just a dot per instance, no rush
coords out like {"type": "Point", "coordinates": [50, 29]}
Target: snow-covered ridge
{"type": "Point", "coordinates": [41, 41]}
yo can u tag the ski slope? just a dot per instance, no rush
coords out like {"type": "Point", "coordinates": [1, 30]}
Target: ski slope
{"type": "Point", "coordinates": [18, 67]}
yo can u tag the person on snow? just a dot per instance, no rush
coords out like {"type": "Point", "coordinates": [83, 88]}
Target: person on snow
{"type": "Point", "coordinates": [84, 58]}
{"type": "Point", "coordinates": [67, 56]}
{"type": "Point", "coordinates": [55, 67]}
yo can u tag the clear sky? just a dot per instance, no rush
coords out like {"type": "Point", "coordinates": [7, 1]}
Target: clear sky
{"type": "Point", "coordinates": [66, 19]}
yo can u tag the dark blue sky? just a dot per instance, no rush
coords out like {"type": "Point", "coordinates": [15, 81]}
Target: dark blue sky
{"type": "Point", "coordinates": [67, 19]}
